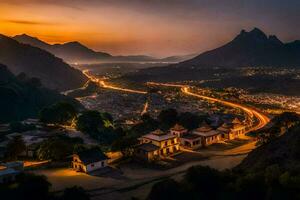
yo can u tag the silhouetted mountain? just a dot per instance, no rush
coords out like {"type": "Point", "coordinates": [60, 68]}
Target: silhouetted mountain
{"type": "Point", "coordinates": [23, 97]}
{"type": "Point", "coordinates": [75, 52]}
{"type": "Point", "coordinates": [250, 49]}
{"type": "Point", "coordinates": [35, 62]}
{"type": "Point", "coordinates": [70, 52]}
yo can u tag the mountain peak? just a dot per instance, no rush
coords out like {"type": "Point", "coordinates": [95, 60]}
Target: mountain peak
{"type": "Point", "coordinates": [27, 39]}
{"type": "Point", "coordinates": [258, 33]}
{"type": "Point", "coordinates": [75, 44]}
{"type": "Point", "coordinates": [25, 36]}
{"type": "Point", "coordinates": [253, 35]}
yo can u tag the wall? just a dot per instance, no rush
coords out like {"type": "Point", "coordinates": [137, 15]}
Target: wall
{"type": "Point", "coordinates": [97, 165]}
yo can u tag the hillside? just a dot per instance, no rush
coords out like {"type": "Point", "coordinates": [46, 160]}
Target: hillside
{"type": "Point", "coordinates": [283, 151]}
{"type": "Point", "coordinates": [23, 97]}
{"type": "Point", "coordinates": [35, 62]}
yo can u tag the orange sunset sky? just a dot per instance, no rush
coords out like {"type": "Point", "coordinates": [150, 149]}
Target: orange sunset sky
{"type": "Point", "coordinates": [153, 27]}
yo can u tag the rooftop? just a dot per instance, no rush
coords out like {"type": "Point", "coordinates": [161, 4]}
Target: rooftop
{"type": "Point", "coordinates": [159, 135]}
{"type": "Point", "coordinates": [236, 121]}
{"type": "Point", "coordinates": [148, 147]}
{"type": "Point", "coordinates": [178, 127]}
{"type": "Point", "coordinates": [207, 134]}
{"type": "Point", "coordinates": [205, 128]}
{"type": "Point", "coordinates": [191, 136]}
{"type": "Point", "coordinates": [91, 156]}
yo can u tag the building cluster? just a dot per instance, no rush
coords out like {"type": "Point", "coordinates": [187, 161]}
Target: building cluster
{"type": "Point", "coordinates": [159, 144]}
{"type": "Point", "coordinates": [283, 102]}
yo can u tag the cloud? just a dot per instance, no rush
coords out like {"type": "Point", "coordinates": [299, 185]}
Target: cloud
{"type": "Point", "coordinates": [27, 22]}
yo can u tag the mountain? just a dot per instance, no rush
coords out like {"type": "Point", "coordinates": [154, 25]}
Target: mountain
{"type": "Point", "coordinates": [23, 97]}
{"type": "Point", "coordinates": [71, 52]}
{"type": "Point", "coordinates": [75, 52]}
{"type": "Point", "coordinates": [176, 59]}
{"type": "Point", "coordinates": [35, 62]}
{"type": "Point", "coordinates": [250, 49]}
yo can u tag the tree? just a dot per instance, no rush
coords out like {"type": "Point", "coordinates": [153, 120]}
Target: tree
{"type": "Point", "coordinates": [205, 180]}
{"type": "Point", "coordinates": [90, 122]}
{"type": "Point", "coordinates": [57, 148]}
{"type": "Point", "coordinates": [32, 187]}
{"type": "Point", "coordinates": [15, 147]}
{"type": "Point", "coordinates": [60, 113]}
{"type": "Point", "coordinates": [147, 125]}
{"type": "Point", "coordinates": [107, 116]}
{"type": "Point", "coordinates": [166, 189]}
{"type": "Point", "coordinates": [125, 145]}
{"type": "Point", "coordinates": [168, 118]}
{"type": "Point", "coordinates": [75, 193]}
{"type": "Point", "coordinates": [190, 120]}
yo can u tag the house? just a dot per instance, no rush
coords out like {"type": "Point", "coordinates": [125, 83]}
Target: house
{"type": "Point", "coordinates": [156, 145]}
{"type": "Point", "coordinates": [208, 135]}
{"type": "Point", "coordinates": [190, 141]}
{"type": "Point", "coordinates": [9, 171]}
{"type": "Point", "coordinates": [89, 160]}
{"type": "Point", "coordinates": [4, 128]}
{"type": "Point", "coordinates": [178, 130]}
{"type": "Point", "coordinates": [187, 140]}
{"type": "Point", "coordinates": [232, 130]}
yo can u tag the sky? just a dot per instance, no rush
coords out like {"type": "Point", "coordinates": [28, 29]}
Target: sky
{"type": "Point", "coordinates": [152, 27]}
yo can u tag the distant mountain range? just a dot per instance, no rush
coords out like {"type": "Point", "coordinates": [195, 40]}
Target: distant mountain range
{"type": "Point", "coordinates": [23, 97]}
{"type": "Point", "coordinates": [35, 62]}
{"type": "Point", "coordinates": [250, 49]}
{"type": "Point", "coordinates": [70, 52]}
{"type": "Point", "coordinates": [75, 52]}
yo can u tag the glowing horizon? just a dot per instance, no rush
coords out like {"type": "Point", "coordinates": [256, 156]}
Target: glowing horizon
{"type": "Point", "coordinates": [153, 27]}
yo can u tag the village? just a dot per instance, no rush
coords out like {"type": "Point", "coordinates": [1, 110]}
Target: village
{"type": "Point", "coordinates": [131, 139]}
{"type": "Point", "coordinates": [155, 147]}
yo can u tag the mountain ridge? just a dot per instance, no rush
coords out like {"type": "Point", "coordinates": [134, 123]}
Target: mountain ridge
{"type": "Point", "coordinates": [75, 52]}
{"type": "Point", "coordinates": [69, 51]}
{"type": "Point", "coordinates": [249, 49]}
{"type": "Point", "coordinates": [36, 62]}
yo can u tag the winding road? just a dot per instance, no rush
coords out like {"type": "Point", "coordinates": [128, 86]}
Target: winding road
{"type": "Point", "coordinates": [252, 113]}
{"type": "Point", "coordinates": [262, 119]}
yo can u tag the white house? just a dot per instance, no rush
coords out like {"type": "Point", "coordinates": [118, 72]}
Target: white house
{"type": "Point", "coordinates": [89, 160]}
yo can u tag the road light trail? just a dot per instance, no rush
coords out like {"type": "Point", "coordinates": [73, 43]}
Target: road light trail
{"type": "Point", "coordinates": [262, 119]}
{"type": "Point", "coordinates": [145, 109]}
{"type": "Point", "coordinates": [103, 84]}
